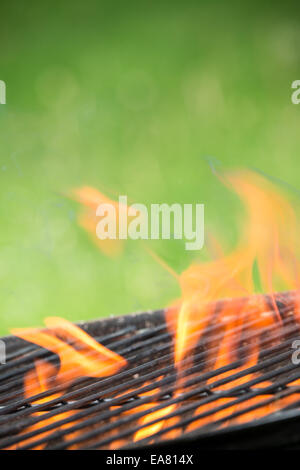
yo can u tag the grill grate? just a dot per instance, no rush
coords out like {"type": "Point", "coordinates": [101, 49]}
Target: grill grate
{"type": "Point", "coordinates": [106, 413]}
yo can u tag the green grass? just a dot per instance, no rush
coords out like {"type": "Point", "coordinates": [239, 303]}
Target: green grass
{"type": "Point", "coordinates": [132, 96]}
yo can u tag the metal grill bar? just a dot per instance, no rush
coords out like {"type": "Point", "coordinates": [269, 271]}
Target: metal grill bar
{"type": "Point", "coordinates": [113, 345]}
{"type": "Point", "coordinates": [194, 381]}
{"type": "Point", "coordinates": [191, 407]}
{"type": "Point", "coordinates": [113, 379]}
{"type": "Point", "coordinates": [208, 427]}
{"type": "Point", "coordinates": [110, 400]}
{"type": "Point", "coordinates": [31, 352]}
{"type": "Point", "coordinates": [42, 353]}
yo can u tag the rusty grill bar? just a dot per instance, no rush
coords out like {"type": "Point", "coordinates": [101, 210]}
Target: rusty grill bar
{"type": "Point", "coordinates": [105, 413]}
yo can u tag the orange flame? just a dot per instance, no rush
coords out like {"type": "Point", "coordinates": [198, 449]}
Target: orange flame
{"type": "Point", "coordinates": [85, 357]}
{"type": "Point", "coordinates": [268, 242]}
{"type": "Point", "coordinates": [80, 355]}
{"type": "Point", "coordinates": [261, 409]}
{"type": "Point", "coordinates": [156, 427]}
{"type": "Point", "coordinates": [37, 381]}
{"type": "Point", "coordinates": [90, 198]}
{"type": "Point", "coordinates": [269, 239]}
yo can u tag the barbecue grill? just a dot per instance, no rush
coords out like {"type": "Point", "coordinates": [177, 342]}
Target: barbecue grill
{"type": "Point", "coordinates": [234, 406]}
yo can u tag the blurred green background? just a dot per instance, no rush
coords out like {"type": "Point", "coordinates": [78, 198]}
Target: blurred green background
{"type": "Point", "coordinates": [137, 97]}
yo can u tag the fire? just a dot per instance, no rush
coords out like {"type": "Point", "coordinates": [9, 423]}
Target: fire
{"type": "Point", "coordinates": [158, 415]}
{"type": "Point", "coordinates": [269, 240]}
{"type": "Point", "coordinates": [155, 415]}
{"type": "Point", "coordinates": [90, 198]}
{"type": "Point", "coordinates": [80, 356]}
{"type": "Point", "coordinates": [37, 381]}
{"type": "Point", "coordinates": [83, 357]}
{"type": "Point", "coordinates": [229, 413]}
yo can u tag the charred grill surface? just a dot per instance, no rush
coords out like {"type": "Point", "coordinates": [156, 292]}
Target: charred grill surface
{"type": "Point", "coordinates": [206, 402]}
